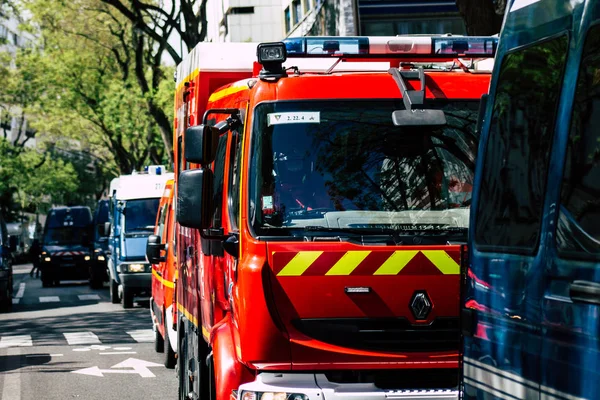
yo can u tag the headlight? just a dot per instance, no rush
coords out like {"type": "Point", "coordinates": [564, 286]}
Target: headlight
{"type": "Point", "coordinates": [87, 258]}
{"type": "Point", "coordinates": [97, 250]}
{"type": "Point", "coordinates": [136, 267]}
{"type": "Point", "coordinates": [272, 396]}
{"type": "Point", "coordinates": [101, 258]}
{"type": "Point", "coordinates": [47, 259]}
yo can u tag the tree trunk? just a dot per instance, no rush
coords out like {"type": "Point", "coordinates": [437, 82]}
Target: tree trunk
{"type": "Point", "coordinates": [482, 17]}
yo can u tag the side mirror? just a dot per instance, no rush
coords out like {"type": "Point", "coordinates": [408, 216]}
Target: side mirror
{"type": "Point", "coordinates": [419, 118]}
{"type": "Point", "coordinates": [200, 144]}
{"type": "Point", "coordinates": [100, 230]}
{"type": "Point", "coordinates": [153, 249]}
{"type": "Point", "coordinates": [106, 229]}
{"type": "Point", "coordinates": [194, 198]}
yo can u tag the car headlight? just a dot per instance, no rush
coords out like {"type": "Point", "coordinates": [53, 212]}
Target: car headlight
{"type": "Point", "coordinates": [87, 258]}
{"type": "Point", "coordinates": [246, 395]}
{"type": "Point", "coordinates": [136, 267]}
{"type": "Point", "coordinates": [47, 259]}
{"type": "Point", "coordinates": [101, 258]}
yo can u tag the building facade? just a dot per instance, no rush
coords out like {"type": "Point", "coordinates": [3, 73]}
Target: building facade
{"type": "Point", "coordinates": [370, 17]}
{"type": "Point", "coordinates": [13, 124]}
{"type": "Point", "coordinates": [244, 20]}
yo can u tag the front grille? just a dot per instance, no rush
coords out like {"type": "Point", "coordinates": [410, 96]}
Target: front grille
{"type": "Point", "coordinates": [383, 334]}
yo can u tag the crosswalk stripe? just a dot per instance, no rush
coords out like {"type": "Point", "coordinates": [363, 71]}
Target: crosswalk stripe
{"type": "Point", "coordinates": [142, 335]}
{"type": "Point", "coordinates": [15, 341]}
{"type": "Point", "coordinates": [16, 301]}
{"type": "Point", "coordinates": [81, 338]}
{"type": "Point", "coordinates": [88, 297]}
{"type": "Point", "coordinates": [21, 290]}
{"type": "Point", "coordinates": [49, 299]}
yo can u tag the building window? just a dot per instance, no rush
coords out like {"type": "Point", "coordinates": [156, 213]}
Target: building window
{"type": "Point", "coordinates": [297, 11]}
{"type": "Point", "coordinates": [241, 10]}
{"type": "Point", "coordinates": [286, 16]}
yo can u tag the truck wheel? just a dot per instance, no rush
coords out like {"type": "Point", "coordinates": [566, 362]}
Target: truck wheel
{"type": "Point", "coordinates": [114, 292]}
{"type": "Point", "coordinates": [159, 342]}
{"type": "Point", "coordinates": [127, 298]}
{"type": "Point", "coordinates": [182, 361]}
{"type": "Point", "coordinates": [170, 359]}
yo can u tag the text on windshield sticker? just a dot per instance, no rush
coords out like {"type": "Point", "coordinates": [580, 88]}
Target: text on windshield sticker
{"type": "Point", "coordinates": [294, 118]}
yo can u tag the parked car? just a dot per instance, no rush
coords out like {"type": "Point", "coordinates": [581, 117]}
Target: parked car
{"type": "Point", "coordinates": [98, 266]}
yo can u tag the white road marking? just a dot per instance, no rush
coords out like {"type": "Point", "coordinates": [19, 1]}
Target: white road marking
{"type": "Point", "coordinates": [15, 341]}
{"type": "Point", "coordinates": [142, 335]}
{"type": "Point", "coordinates": [122, 348]}
{"type": "Point", "coordinates": [15, 301]}
{"type": "Point", "coordinates": [12, 381]}
{"type": "Point", "coordinates": [118, 352]}
{"type": "Point", "coordinates": [81, 338]}
{"type": "Point", "coordinates": [21, 290]}
{"type": "Point", "coordinates": [82, 349]}
{"type": "Point", "coordinates": [49, 299]}
{"type": "Point", "coordinates": [88, 297]}
{"type": "Point", "coordinates": [137, 367]}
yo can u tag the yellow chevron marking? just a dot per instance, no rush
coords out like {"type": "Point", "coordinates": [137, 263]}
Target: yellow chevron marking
{"type": "Point", "coordinates": [442, 261]}
{"type": "Point", "coordinates": [397, 261]}
{"type": "Point", "coordinates": [226, 92]}
{"type": "Point", "coordinates": [300, 263]}
{"type": "Point", "coordinates": [348, 263]}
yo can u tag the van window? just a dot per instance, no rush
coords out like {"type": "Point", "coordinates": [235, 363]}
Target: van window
{"type": "Point", "coordinates": [219, 178]}
{"type": "Point", "coordinates": [161, 222]}
{"type": "Point", "coordinates": [578, 229]}
{"type": "Point", "coordinates": [234, 184]}
{"type": "Point", "coordinates": [515, 166]}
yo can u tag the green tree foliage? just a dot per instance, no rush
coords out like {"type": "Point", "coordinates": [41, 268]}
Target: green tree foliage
{"type": "Point", "coordinates": [34, 180]}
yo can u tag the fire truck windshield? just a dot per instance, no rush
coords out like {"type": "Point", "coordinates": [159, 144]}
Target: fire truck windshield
{"type": "Point", "coordinates": [344, 166]}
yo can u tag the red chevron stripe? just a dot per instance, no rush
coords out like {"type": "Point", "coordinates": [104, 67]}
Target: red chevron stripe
{"type": "Point", "coordinates": [324, 263]}
{"type": "Point", "coordinates": [373, 261]}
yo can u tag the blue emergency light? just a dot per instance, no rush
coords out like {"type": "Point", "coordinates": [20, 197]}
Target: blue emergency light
{"type": "Point", "coordinates": [273, 55]}
{"type": "Point", "coordinates": [386, 46]}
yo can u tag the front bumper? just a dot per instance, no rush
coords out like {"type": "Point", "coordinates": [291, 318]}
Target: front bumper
{"type": "Point", "coordinates": [70, 268]}
{"type": "Point", "coordinates": [140, 281]}
{"type": "Point", "coordinates": [318, 387]}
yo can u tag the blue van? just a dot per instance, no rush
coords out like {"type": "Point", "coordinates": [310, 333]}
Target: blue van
{"type": "Point", "coordinates": [66, 243]}
{"type": "Point", "coordinates": [531, 288]}
{"type": "Point", "coordinates": [98, 267]}
{"type": "Point", "coordinates": [6, 272]}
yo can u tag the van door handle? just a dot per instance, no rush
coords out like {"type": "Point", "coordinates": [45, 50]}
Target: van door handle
{"type": "Point", "coordinates": [585, 292]}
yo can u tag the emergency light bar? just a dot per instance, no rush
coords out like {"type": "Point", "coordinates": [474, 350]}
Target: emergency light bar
{"type": "Point", "coordinates": [378, 46]}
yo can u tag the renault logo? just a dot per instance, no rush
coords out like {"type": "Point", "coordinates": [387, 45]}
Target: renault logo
{"type": "Point", "coordinates": [420, 305]}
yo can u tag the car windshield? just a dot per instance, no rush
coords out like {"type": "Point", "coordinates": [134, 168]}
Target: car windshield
{"type": "Point", "coordinates": [345, 166]}
{"type": "Point", "coordinates": [66, 236]}
{"type": "Point", "coordinates": [140, 215]}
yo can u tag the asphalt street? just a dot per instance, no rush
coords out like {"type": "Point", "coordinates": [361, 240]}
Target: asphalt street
{"type": "Point", "coordinates": [70, 342]}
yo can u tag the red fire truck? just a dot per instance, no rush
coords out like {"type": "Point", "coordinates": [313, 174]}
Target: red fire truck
{"type": "Point", "coordinates": [322, 211]}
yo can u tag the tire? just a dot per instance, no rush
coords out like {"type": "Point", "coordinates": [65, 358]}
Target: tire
{"type": "Point", "coordinates": [127, 298]}
{"type": "Point", "coordinates": [182, 371]}
{"type": "Point", "coordinates": [114, 292]}
{"type": "Point", "coordinates": [170, 359]}
{"type": "Point", "coordinates": [159, 342]}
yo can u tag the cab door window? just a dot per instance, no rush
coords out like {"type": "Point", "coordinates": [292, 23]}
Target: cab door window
{"type": "Point", "coordinates": [515, 165]}
{"type": "Point", "coordinates": [578, 229]}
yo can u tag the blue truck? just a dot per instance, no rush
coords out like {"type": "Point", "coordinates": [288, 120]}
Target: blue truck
{"type": "Point", "coordinates": [133, 205]}
{"type": "Point", "coordinates": [531, 285]}
{"type": "Point", "coordinates": [98, 267]}
{"type": "Point", "coordinates": [65, 246]}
